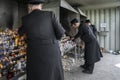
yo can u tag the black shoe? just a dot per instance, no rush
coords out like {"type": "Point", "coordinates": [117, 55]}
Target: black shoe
{"type": "Point", "coordinates": [87, 72]}
{"type": "Point", "coordinates": [83, 66]}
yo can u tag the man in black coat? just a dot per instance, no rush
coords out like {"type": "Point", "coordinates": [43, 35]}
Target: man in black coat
{"type": "Point", "coordinates": [92, 49]}
{"type": "Point", "coordinates": [93, 28]}
{"type": "Point", "coordinates": [43, 53]}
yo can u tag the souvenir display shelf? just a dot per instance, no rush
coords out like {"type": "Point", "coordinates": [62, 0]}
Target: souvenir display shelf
{"type": "Point", "coordinates": [12, 54]}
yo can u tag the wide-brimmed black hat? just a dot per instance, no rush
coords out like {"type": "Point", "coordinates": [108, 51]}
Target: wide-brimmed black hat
{"type": "Point", "coordinates": [74, 21]}
{"type": "Point", "coordinates": [35, 1]}
{"type": "Point", "coordinates": [88, 21]}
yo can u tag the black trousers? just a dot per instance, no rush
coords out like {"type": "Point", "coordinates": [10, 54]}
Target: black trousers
{"type": "Point", "coordinates": [89, 67]}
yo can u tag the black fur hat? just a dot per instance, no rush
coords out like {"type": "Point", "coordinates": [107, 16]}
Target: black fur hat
{"type": "Point", "coordinates": [74, 21]}
{"type": "Point", "coordinates": [88, 21]}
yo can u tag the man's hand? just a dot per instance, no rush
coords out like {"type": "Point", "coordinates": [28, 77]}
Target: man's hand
{"type": "Point", "coordinates": [73, 39]}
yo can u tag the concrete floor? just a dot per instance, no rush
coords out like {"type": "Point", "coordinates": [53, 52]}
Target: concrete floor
{"type": "Point", "coordinates": [104, 70]}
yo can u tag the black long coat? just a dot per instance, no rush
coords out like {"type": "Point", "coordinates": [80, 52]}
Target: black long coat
{"type": "Point", "coordinates": [43, 54]}
{"type": "Point", "coordinates": [92, 49]}
{"type": "Point", "coordinates": [94, 30]}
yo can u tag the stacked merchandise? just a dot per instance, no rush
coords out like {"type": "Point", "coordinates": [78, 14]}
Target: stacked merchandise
{"type": "Point", "coordinates": [66, 45]}
{"type": "Point", "coordinates": [12, 54]}
{"type": "Point", "coordinates": [69, 53]}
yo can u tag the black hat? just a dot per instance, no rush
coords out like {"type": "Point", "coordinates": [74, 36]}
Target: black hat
{"type": "Point", "coordinates": [35, 1]}
{"type": "Point", "coordinates": [87, 21]}
{"type": "Point", "coordinates": [74, 21]}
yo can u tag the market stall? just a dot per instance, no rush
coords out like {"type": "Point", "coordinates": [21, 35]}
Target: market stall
{"type": "Point", "coordinates": [12, 54]}
{"type": "Point", "coordinates": [13, 48]}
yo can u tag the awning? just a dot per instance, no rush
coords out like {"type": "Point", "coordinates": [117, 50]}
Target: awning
{"type": "Point", "coordinates": [61, 3]}
{"type": "Point", "coordinates": [81, 13]}
{"type": "Point", "coordinates": [65, 5]}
